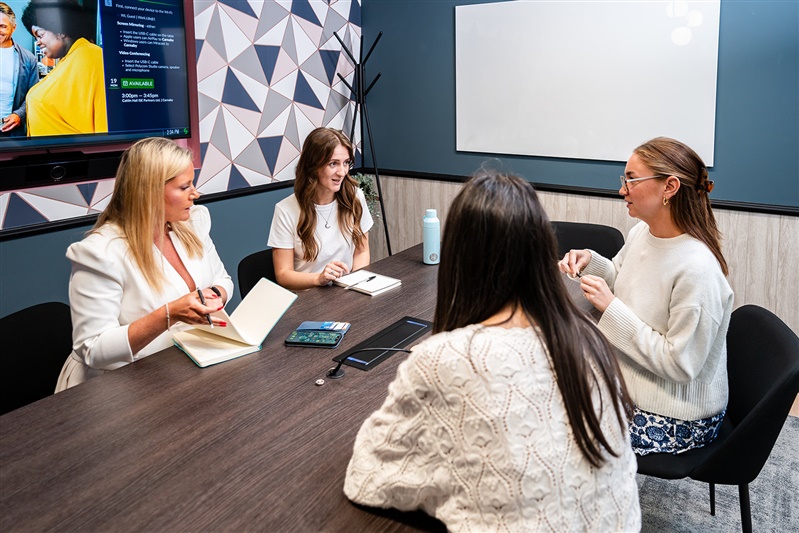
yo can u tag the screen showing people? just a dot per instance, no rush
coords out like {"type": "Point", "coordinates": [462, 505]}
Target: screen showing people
{"type": "Point", "coordinates": [111, 69]}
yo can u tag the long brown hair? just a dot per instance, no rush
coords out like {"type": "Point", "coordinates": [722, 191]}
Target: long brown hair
{"type": "Point", "coordinates": [499, 248]}
{"type": "Point", "coordinates": [316, 153]}
{"type": "Point", "coordinates": [137, 204]}
{"type": "Point", "coordinates": [690, 206]}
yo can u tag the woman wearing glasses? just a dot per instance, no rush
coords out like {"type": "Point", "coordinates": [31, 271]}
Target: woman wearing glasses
{"type": "Point", "coordinates": [319, 233]}
{"type": "Point", "coordinates": [665, 300]}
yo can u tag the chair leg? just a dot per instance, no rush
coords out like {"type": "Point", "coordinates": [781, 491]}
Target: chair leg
{"type": "Point", "coordinates": [712, 499]}
{"type": "Point", "coordinates": [746, 514]}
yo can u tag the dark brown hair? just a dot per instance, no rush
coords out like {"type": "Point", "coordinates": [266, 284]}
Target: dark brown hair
{"type": "Point", "coordinates": [499, 248]}
{"type": "Point", "coordinates": [316, 153]}
{"type": "Point", "coordinates": [690, 206]}
{"type": "Point", "coordinates": [66, 17]}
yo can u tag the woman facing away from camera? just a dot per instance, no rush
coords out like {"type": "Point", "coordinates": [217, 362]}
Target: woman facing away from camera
{"type": "Point", "coordinates": [139, 270]}
{"type": "Point", "coordinates": [513, 415]}
{"type": "Point", "coordinates": [665, 300]}
{"type": "Point", "coordinates": [319, 233]}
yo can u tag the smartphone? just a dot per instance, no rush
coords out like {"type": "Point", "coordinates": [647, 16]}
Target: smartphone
{"type": "Point", "coordinates": [314, 338]}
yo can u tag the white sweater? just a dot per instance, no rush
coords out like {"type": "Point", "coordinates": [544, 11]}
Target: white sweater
{"type": "Point", "coordinates": [668, 323]}
{"type": "Point", "coordinates": [474, 432]}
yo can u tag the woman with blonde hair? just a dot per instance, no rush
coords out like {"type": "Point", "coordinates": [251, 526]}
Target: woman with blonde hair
{"type": "Point", "coordinates": [665, 300]}
{"type": "Point", "coordinates": [140, 270]}
{"type": "Point", "coordinates": [319, 233]}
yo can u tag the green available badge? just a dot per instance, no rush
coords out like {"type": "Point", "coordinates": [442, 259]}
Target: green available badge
{"type": "Point", "coordinates": [138, 83]}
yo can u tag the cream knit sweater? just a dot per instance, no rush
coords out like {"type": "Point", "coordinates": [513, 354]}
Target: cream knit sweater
{"type": "Point", "coordinates": [668, 323]}
{"type": "Point", "coordinates": [474, 431]}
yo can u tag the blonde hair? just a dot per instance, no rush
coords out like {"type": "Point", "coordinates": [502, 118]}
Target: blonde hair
{"type": "Point", "coordinates": [690, 206]}
{"type": "Point", "coordinates": [137, 203]}
{"type": "Point", "coordinates": [316, 152]}
{"type": "Point", "coordinates": [6, 10]}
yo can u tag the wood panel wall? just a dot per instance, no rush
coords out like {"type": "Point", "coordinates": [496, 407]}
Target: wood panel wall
{"type": "Point", "coordinates": [762, 250]}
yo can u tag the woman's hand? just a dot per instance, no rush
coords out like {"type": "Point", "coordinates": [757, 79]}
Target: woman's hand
{"type": "Point", "coordinates": [332, 271]}
{"type": "Point", "coordinates": [190, 310]}
{"type": "Point", "coordinates": [211, 294]}
{"type": "Point", "coordinates": [596, 291]}
{"type": "Point", "coordinates": [187, 309]}
{"type": "Point", "coordinates": [574, 262]}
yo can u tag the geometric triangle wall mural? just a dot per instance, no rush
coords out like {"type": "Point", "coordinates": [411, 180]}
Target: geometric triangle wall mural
{"type": "Point", "coordinates": [268, 74]}
{"type": "Point", "coordinates": [266, 80]}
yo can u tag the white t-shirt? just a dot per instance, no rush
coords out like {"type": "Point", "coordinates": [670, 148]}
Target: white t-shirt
{"type": "Point", "coordinates": [8, 69]}
{"type": "Point", "coordinates": [333, 244]}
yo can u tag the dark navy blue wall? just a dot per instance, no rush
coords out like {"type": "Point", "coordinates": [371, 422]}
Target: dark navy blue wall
{"type": "Point", "coordinates": [33, 268]}
{"type": "Point", "coordinates": [412, 106]}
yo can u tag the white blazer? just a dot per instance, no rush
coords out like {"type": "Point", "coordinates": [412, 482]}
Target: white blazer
{"type": "Point", "coordinates": [107, 292]}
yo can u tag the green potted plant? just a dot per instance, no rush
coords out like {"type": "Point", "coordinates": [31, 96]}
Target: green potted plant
{"type": "Point", "coordinates": [367, 185]}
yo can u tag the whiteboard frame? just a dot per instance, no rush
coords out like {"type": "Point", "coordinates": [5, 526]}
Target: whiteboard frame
{"type": "Point", "coordinates": [589, 79]}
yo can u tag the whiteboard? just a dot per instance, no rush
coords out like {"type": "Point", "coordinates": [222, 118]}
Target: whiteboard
{"type": "Point", "coordinates": [589, 79]}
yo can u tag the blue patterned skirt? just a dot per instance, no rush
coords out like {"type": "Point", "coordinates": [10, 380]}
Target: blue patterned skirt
{"type": "Point", "coordinates": [651, 433]}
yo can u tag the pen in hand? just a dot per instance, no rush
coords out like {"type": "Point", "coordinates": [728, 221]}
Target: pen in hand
{"type": "Point", "coordinates": [202, 301]}
{"type": "Point", "coordinates": [370, 278]}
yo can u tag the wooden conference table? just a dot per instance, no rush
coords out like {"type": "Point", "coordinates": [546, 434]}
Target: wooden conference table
{"type": "Point", "coordinates": [250, 444]}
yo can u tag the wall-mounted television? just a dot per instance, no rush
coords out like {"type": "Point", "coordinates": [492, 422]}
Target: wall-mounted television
{"type": "Point", "coordinates": [146, 85]}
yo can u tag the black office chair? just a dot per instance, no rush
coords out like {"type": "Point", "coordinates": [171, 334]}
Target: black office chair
{"type": "Point", "coordinates": [36, 343]}
{"type": "Point", "coordinates": [254, 267]}
{"type": "Point", "coordinates": [763, 370]}
{"type": "Point", "coordinates": [606, 240]}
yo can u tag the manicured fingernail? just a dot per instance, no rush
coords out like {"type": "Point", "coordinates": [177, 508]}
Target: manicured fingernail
{"type": "Point", "coordinates": [221, 307]}
{"type": "Point", "coordinates": [223, 324]}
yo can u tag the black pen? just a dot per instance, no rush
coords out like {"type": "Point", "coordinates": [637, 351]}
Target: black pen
{"type": "Point", "coordinates": [359, 282]}
{"type": "Point", "coordinates": [202, 301]}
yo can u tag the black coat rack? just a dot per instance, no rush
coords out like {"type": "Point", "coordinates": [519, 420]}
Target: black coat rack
{"type": "Point", "coordinates": [359, 94]}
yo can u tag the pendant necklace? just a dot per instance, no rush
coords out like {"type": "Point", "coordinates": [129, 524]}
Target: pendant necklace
{"type": "Point", "coordinates": [326, 218]}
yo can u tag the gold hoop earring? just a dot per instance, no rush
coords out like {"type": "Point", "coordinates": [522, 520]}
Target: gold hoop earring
{"type": "Point", "coordinates": [665, 200]}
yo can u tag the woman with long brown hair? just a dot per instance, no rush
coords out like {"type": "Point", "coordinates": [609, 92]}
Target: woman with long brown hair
{"type": "Point", "coordinates": [665, 300]}
{"type": "Point", "coordinates": [513, 416]}
{"type": "Point", "coordinates": [319, 233]}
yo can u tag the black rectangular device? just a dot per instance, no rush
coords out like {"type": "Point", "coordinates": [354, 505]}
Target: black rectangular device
{"type": "Point", "coordinates": [400, 334]}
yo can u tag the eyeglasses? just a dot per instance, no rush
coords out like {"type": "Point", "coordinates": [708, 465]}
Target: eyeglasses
{"type": "Point", "coordinates": [625, 180]}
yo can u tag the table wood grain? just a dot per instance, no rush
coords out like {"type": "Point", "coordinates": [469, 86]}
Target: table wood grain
{"type": "Point", "coordinates": [250, 444]}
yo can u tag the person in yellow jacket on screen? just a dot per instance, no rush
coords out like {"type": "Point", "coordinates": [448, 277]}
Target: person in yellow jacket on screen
{"type": "Point", "coordinates": [71, 99]}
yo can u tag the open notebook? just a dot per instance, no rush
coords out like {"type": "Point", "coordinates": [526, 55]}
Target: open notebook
{"type": "Point", "coordinates": [367, 282]}
{"type": "Point", "coordinates": [247, 326]}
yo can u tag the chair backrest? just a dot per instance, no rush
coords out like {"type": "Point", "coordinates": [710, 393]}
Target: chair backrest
{"type": "Point", "coordinates": [254, 267]}
{"type": "Point", "coordinates": [36, 343]}
{"type": "Point", "coordinates": [606, 240]}
{"type": "Point", "coordinates": [763, 370]}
